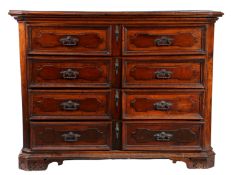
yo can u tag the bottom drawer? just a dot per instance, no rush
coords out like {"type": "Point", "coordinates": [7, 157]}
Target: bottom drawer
{"type": "Point", "coordinates": [71, 135]}
{"type": "Point", "coordinates": [162, 136]}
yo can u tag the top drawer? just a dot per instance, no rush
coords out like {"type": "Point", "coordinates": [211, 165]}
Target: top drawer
{"type": "Point", "coordinates": [146, 40]}
{"type": "Point", "coordinates": [71, 40]}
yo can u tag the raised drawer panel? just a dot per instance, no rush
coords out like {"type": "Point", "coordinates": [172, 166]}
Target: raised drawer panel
{"type": "Point", "coordinates": [147, 40]}
{"type": "Point", "coordinates": [71, 40]}
{"type": "Point", "coordinates": [70, 136]}
{"type": "Point", "coordinates": [162, 136]}
{"type": "Point", "coordinates": [81, 104]}
{"type": "Point", "coordinates": [163, 104]}
{"type": "Point", "coordinates": [78, 73]}
{"type": "Point", "coordinates": [164, 74]}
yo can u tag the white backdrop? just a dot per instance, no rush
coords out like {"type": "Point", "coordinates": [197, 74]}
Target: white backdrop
{"type": "Point", "coordinates": [10, 92]}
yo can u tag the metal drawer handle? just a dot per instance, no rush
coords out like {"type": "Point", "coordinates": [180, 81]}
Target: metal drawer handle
{"type": "Point", "coordinates": [117, 97]}
{"type": "Point", "coordinates": [163, 74]}
{"type": "Point", "coordinates": [163, 41]}
{"type": "Point", "coordinates": [70, 105]}
{"type": "Point", "coordinates": [163, 136]}
{"type": "Point", "coordinates": [71, 137]}
{"type": "Point", "coordinates": [69, 74]}
{"type": "Point", "coordinates": [162, 106]}
{"type": "Point", "coordinates": [117, 33]}
{"type": "Point", "coordinates": [117, 66]}
{"type": "Point", "coordinates": [117, 131]}
{"type": "Point", "coordinates": [69, 41]}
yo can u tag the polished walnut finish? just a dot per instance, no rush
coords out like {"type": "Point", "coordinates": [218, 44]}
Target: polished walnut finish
{"type": "Point", "coordinates": [71, 135]}
{"type": "Point", "coordinates": [70, 40]}
{"type": "Point", "coordinates": [149, 40]}
{"type": "Point", "coordinates": [78, 73]}
{"type": "Point", "coordinates": [160, 136]}
{"type": "Point", "coordinates": [107, 85]}
{"type": "Point", "coordinates": [162, 104]}
{"type": "Point", "coordinates": [164, 74]}
{"type": "Point", "coordinates": [80, 104]}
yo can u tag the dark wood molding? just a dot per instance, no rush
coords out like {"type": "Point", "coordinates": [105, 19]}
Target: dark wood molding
{"type": "Point", "coordinates": [19, 14]}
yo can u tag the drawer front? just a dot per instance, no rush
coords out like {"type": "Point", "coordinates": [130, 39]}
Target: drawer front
{"type": "Point", "coordinates": [82, 104]}
{"type": "Point", "coordinates": [161, 136]}
{"type": "Point", "coordinates": [70, 136]}
{"type": "Point", "coordinates": [153, 73]}
{"type": "Point", "coordinates": [81, 73]}
{"type": "Point", "coordinates": [163, 40]}
{"type": "Point", "coordinates": [77, 40]}
{"type": "Point", "coordinates": [160, 104]}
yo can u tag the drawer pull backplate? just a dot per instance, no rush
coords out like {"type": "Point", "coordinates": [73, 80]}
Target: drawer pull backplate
{"type": "Point", "coordinates": [163, 136]}
{"type": "Point", "coordinates": [70, 105]}
{"type": "Point", "coordinates": [163, 74]}
{"type": "Point", "coordinates": [69, 41]}
{"type": "Point", "coordinates": [69, 74]}
{"type": "Point", "coordinates": [162, 106]}
{"type": "Point", "coordinates": [71, 137]}
{"type": "Point", "coordinates": [163, 41]}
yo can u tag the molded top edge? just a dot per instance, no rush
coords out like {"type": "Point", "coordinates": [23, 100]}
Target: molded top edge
{"type": "Point", "coordinates": [169, 14]}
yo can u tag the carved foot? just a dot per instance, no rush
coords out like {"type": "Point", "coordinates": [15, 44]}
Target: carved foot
{"type": "Point", "coordinates": [198, 162]}
{"type": "Point", "coordinates": [29, 163]}
{"type": "Point", "coordinates": [202, 163]}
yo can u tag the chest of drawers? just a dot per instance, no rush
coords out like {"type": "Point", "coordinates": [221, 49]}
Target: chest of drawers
{"type": "Point", "coordinates": [107, 85]}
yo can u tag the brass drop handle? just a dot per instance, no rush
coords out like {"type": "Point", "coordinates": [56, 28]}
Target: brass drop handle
{"type": "Point", "coordinates": [69, 41]}
{"type": "Point", "coordinates": [70, 105]}
{"type": "Point", "coordinates": [70, 74]}
{"type": "Point", "coordinates": [163, 136]}
{"type": "Point", "coordinates": [71, 137]}
{"type": "Point", "coordinates": [163, 74]}
{"type": "Point", "coordinates": [162, 106]}
{"type": "Point", "coordinates": [163, 41]}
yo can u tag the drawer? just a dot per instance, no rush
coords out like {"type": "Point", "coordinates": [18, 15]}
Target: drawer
{"type": "Point", "coordinates": [70, 136]}
{"type": "Point", "coordinates": [146, 40]}
{"type": "Point", "coordinates": [69, 73]}
{"type": "Point", "coordinates": [70, 104]}
{"type": "Point", "coordinates": [163, 104]}
{"type": "Point", "coordinates": [162, 136]}
{"type": "Point", "coordinates": [71, 40]}
{"type": "Point", "coordinates": [147, 73]}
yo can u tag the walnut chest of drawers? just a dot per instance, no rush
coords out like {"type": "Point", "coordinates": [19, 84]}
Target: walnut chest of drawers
{"type": "Point", "coordinates": [107, 85]}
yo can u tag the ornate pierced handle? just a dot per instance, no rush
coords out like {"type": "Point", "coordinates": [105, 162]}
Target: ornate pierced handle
{"type": "Point", "coordinates": [69, 41]}
{"type": "Point", "coordinates": [163, 136]}
{"type": "Point", "coordinates": [69, 74]}
{"type": "Point", "coordinates": [70, 105]}
{"type": "Point", "coordinates": [163, 41]}
{"type": "Point", "coordinates": [163, 74]}
{"type": "Point", "coordinates": [162, 106]}
{"type": "Point", "coordinates": [71, 137]}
